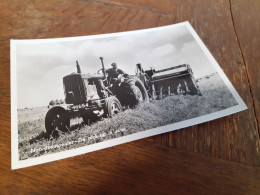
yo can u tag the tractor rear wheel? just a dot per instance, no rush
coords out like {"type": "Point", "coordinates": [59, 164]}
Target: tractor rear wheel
{"type": "Point", "coordinates": [132, 92]}
{"type": "Point", "coordinates": [112, 106]}
{"type": "Point", "coordinates": [57, 119]}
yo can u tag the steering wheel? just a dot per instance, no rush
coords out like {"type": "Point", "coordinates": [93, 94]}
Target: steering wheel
{"type": "Point", "coordinates": [147, 78]}
{"type": "Point", "coordinates": [101, 70]}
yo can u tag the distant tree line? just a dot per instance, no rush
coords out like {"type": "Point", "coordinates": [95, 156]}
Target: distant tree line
{"type": "Point", "coordinates": [56, 102]}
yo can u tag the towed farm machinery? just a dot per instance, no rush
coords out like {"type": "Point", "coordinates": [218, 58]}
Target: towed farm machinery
{"type": "Point", "coordinates": [94, 96]}
{"type": "Point", "coordinates": [170, 81]}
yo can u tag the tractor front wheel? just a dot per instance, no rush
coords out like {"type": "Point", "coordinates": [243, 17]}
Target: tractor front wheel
{"type": "Point", "coordinates": [57, 119]}
{"type": "Point", "coordinates": [112, 106]}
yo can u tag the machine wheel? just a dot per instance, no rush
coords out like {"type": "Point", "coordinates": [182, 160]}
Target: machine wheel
{"type": "Point", "coordinates": [57, 119]}
{"type": "Point", "coordinates": [133, 92]}
{"type": "Point", "coordinates": [112, 106]}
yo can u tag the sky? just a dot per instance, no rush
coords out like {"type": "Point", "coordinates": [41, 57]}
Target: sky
{"type": "Point", "coordinates": [41, 66]}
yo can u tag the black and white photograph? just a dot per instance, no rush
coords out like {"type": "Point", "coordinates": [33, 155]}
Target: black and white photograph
{"type": "Point", "coordinates": [75, 95]}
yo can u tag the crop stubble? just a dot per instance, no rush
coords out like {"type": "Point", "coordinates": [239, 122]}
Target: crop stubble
{"type": "Point", "coordinates": [32, 135]}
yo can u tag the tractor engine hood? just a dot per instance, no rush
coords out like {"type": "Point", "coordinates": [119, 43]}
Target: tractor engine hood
{"type": "Point", "coordinates": [87, 76]}
{"type": "Point", "coordinates": [79, 88]}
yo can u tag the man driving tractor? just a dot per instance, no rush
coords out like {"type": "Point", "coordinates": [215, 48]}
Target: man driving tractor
{"type": "Point", "coordinates": [113, 73]}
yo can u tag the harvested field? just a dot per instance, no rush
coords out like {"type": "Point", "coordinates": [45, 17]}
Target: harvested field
{"type": "Point", "coordinates": [33, 139]}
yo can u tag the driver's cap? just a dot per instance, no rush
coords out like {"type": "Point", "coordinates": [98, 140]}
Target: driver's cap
{"type": "Point", "coordinates": [113, 64]}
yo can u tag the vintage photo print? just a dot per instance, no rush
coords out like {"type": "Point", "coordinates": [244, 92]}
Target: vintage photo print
{"type": "Point", "coordinates": [71, 96]}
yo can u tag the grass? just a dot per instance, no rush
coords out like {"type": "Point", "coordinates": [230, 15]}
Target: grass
{"type": "Point", "coordinates": [33, 138]}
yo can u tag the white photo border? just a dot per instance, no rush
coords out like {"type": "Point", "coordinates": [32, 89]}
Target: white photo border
{"type": "Point", "coordinates": [16, 163]}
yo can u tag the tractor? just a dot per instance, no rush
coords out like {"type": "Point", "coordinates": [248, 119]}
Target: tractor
{"type": "Point", "coordinates": [93, 97]}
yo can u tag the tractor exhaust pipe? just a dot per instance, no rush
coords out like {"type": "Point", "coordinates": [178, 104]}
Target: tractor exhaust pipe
{"type": "Point", "coordinates": [78, 67]}
{"type": "Point", "coordinates": [103, 68]}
